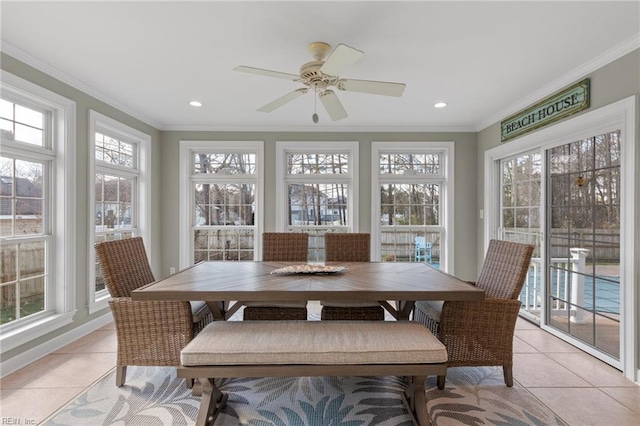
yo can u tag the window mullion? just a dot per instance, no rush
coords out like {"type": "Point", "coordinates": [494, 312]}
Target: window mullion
{"type": "Point", "coordinates": [223, 179]}
{"type": "Point", "coordinates": [115, 169]}
{"type": "Point", "coordinates": [26, 152]}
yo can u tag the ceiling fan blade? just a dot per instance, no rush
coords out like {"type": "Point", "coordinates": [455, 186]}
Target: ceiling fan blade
{"type": "Point", "coordinates": [283, 100]}
{"type": "Point", "coordinates": [268, 73]}
{"type": "Point", "coordinates": [333, 105]}
{"type": "Point", "coordinates": [341, 57]}
{"type": "Point", "coordinates": [385, 88]}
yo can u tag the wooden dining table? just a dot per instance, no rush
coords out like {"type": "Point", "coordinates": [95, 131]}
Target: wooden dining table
{"type": "Point", "coordinates": [225, 286]}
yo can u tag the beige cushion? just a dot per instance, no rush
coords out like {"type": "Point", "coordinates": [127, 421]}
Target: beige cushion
{"type": "Point", "coordinates": [313, 342]}
{"type": "Point", "coordinates": [433, 308]}
{"type": "Point", "coordinates": [277, 304]}
{"type": "Point", "coordinates": [349, 304]}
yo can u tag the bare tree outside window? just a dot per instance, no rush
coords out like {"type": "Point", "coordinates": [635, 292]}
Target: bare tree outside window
{"type": "Point", "coordinates": [115, 187]}
{"type": "Point", "coordinates": [584, 212]}
{"type": "Point", "coordinates": [410, 205]}
{"type": "Point", "coordinates": [585, 186]}
{"type": "Point", "coordinates": [318, 185]}
{"type": "Point", "coordinates": [224, 209]}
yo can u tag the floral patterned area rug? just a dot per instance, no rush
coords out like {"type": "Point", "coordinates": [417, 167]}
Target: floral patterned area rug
{"type": "Point", "coordinates": [155, 396]}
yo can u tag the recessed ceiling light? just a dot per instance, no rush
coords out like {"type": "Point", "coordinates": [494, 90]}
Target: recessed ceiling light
{"type": "Point", "coordinates": [440, 104]}
{"type": "Point", "coordinates": [195, 103]}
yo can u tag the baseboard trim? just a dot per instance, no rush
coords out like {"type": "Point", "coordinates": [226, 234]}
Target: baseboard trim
{"type": "Point", "coordinates": [31, 355]}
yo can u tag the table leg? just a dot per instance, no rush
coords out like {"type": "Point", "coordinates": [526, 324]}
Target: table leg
{"type": "Point", "coordinates": [217, 309]}
{"type": "Point", "coordinates": [419, 401]}
{"type": "Point", "coordinates": [386, 305]}
{"type": "Point", "coordinates": [415, 401]}
{"type": "Point", "coordinates": [404, 309]}
{"type": "Point", "coordinates": [211, 404]}
{"type": "Point", "coordinates": [232, 309]}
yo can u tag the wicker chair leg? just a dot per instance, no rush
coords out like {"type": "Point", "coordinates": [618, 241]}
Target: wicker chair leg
{"type": "Point", "coordinates": [508, 375]}
{"type": "Point", "coordinates": [121, 374]}
{"type": "Point", "coordinates": [189, 383]}
{"type": "Point", "coordinates": [441, 380]}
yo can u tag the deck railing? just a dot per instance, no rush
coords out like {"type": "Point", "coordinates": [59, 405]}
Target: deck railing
{"type": "Point", "coordinates": [568, 276]}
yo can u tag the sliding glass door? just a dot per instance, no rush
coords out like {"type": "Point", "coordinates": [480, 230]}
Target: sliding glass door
{"type": "Point", "coordinates": [582, 272]}
{"type": "Point", "coordinates": [578, 283]}
{"type": "Point", "coordinates": [583, 248]}
{"type": "Point", "coordinates": [571, 191]}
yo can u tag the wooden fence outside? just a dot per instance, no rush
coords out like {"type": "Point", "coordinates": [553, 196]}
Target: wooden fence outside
{"type": "Point", "coordinates": [32, 262]}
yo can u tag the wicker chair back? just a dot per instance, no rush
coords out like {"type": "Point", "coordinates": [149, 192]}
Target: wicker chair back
{"type": "Point", "coordinates": [285, 246]}
{"type": "Point", "coordinates": [504, 269]}
{"type": "Point", "coordinates": [125, 265]}
{"type": "Point", "coordinates": [349, 247]}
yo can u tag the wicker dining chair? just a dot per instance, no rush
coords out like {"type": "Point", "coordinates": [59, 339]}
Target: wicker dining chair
{"type": "Point", "coordinates": [349, 247]}
{"type": "Point", "coordinates": [481, 333]}
{"type": "Point", "coordinates": [280, 247]}
{"type": "Point", "coordinates": [148, 332]}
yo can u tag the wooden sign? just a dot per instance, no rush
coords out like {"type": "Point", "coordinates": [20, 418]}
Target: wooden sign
{"type": "Point", "coordinates": [562, 104]}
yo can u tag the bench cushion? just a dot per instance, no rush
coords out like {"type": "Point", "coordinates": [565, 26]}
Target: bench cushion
{"type": "Point", "coordinates": [313, 342]}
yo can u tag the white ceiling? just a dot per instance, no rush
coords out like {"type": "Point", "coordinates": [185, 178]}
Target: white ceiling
{"type": "Point", "coordinates": [486, 59]}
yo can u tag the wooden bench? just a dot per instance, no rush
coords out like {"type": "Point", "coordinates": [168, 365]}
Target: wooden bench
{"type": "Point", "coordinates": [312, 348]}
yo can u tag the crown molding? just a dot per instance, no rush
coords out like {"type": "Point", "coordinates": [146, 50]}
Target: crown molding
{"type": "Point", "coordinates": [58, 74]}
{"type": "Point", "coordinates": [326, 129]}
{"type": "Point", "coordinates": [627, 46]}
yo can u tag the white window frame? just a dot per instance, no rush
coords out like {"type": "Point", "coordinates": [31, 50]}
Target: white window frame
{"type": "Point", "coordinates": [618, 115]}
{"type": "Point", "coordinates": [284, 148]}
{"type": "Point", "coordinates": [60, 151]}
{"type": "Point", "coordinates": [187, 150]}
{"type": "Point", "coordinates": [141, 220]}
{"type": "Point", "coordinates": [445, 179]}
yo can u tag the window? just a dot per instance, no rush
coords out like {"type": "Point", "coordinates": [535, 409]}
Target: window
{"type": "Point", "coordinates": [22, 122]}
{"type": "Point", "coordinates": [120, 162]}
{"type": "Point", "coordinates": [37, 205]}
{"type": "Point", "coordinates": [520, 201]}
{"type": "Point", "coordinates": [222, 187]}
{"type": "Point", "coordinates": [317, 190]}
{"type": "Point", "coordinates": [22, 192]}
{"type": "Point", "coordinates": [411, 211]}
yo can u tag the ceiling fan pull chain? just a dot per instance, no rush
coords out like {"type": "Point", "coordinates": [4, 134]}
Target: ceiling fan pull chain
{"type": "Point", "coordinates": [314, 117]}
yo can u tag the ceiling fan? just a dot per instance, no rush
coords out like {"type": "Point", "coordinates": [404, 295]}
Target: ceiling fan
{"type": "Point", "coordinates": [320, 74]}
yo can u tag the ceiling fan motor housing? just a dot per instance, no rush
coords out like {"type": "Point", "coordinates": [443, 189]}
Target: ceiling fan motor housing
{"type": "Point", "coordinates": [310, 75]}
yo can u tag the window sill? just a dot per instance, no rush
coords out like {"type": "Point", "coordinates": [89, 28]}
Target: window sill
{"type": "Point", "coordinates": [33, 330]}
{"type": "Point", "coordinates": [99, 305]}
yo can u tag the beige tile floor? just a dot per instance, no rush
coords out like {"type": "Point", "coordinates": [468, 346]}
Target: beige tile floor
{"type": "Point", "coordinates": [577, 387]}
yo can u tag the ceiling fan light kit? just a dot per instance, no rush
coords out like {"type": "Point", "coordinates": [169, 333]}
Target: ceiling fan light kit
{"type": "Point", "coordinates": [320, 74]}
